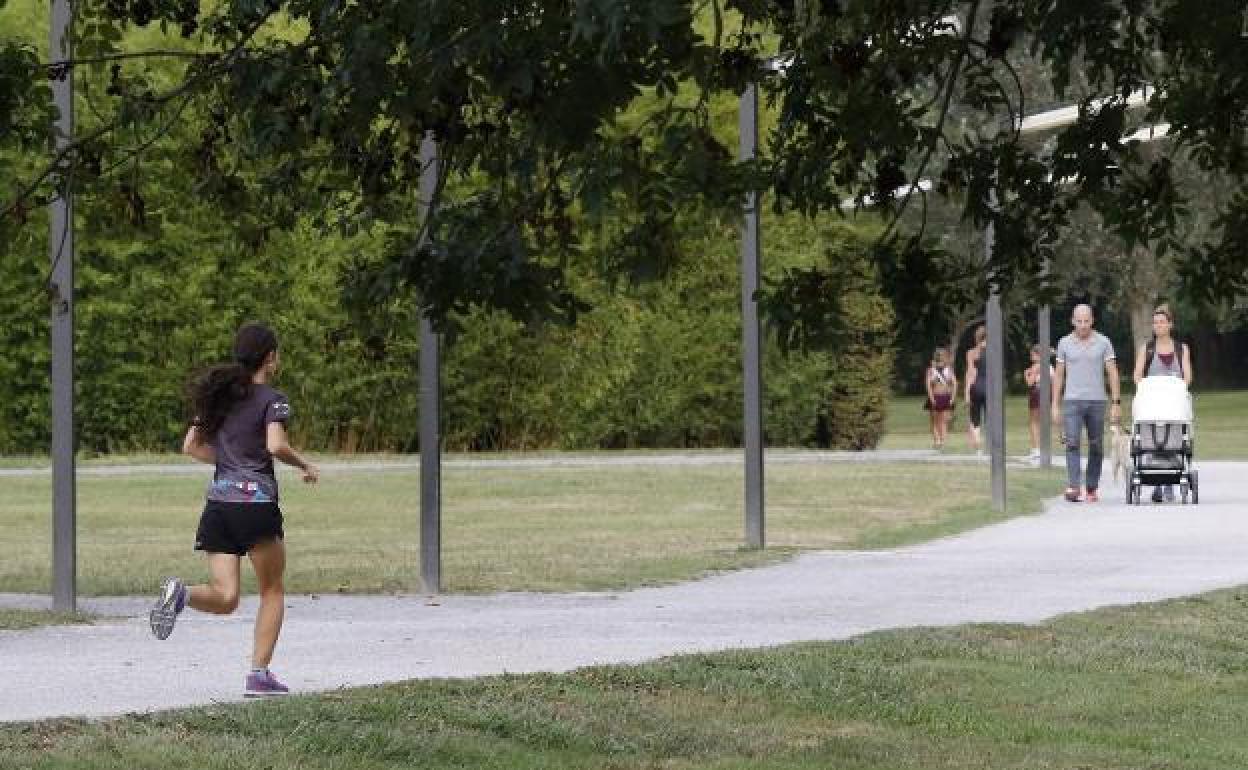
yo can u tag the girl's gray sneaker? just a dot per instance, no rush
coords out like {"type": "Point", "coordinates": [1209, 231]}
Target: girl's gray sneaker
{"type": "Point", "coordinates": [171, 602]}
{"type": "Point", "coordinates": [262, 684]}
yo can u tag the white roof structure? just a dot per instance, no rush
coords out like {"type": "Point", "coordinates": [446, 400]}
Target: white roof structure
{"type": "Point", "coordinates": [1047, 121]}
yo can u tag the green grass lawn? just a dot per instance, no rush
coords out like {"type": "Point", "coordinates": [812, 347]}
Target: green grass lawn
{"type": "Point", "coordinates": [1221, 418]}
{"type": "Point", "coordinates": [544, 529]}
{"type": "Point", "coordinates": [587, 528]}
{"type": "Point", "coordinates": [16, 620]}
{"type": "Point", "coordinates": [1221, 424]}
{"type": "Point", "coordinates": [1148, 686]}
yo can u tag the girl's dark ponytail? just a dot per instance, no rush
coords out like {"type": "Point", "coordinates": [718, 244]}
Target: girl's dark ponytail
{"type": "Point", "coordinates": [215, 391]}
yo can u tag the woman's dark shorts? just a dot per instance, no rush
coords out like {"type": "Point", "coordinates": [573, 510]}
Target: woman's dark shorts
{"type": "Point", "coordinates": [236, 527]}
{"type": "Point", "coordinates": [978, 402]}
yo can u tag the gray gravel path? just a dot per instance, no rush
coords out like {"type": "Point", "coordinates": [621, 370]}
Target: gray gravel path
{"type": "Point", "coordinates": [1070, 558]}
{"type": "Point", "coordinates": [561, 460]}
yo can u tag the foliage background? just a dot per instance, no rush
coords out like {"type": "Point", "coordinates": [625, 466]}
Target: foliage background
{"type": "Point", "coordinates": [177, 246]}
{"type": "Point", "coordinates": [167, 269]}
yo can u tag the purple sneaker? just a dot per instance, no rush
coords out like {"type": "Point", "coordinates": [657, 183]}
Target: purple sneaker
{"type": "Point", "coordinates": [171, 602]}
{"type": "Point", "coordinates": [263, 685]}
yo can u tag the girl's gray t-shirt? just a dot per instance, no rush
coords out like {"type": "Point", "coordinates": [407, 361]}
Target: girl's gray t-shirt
{"type": "Point", "coordinates": [1085, 366]}
{"type": "Point", "coordinates": [244, 470]}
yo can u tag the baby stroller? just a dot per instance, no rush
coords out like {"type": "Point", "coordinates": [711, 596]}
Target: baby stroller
{"type": "Point", "coordinates": [1161, 438]}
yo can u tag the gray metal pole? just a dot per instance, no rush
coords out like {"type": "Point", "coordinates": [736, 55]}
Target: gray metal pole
{"type": "Point", "coordinates": [996, 399]}
{"type": "Point", "coordinates": [61, 253]}
{"type": "Point", "coordinates": [1043, 338]}
{"type": "Point", "coordinates": [751, 250]}
{"type": "Point", "coordinates": [996, 383]}
{"type": "Point", "coordinates": [430, 411]}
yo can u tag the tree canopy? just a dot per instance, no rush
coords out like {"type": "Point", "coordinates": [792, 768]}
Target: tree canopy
{"type": "Point", "coordinates": [317, 108]}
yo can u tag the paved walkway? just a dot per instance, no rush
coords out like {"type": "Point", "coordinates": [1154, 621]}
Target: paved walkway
{"type": "Point", "coordinates": [1070, 558]}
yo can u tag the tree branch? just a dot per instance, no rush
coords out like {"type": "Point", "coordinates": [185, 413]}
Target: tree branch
{"type": "Point", "coordinates": [152, 54]}
{"type": "Point", "coordinates": [950, 87]}
{"type": "Point", "coordinates": [68, 150]}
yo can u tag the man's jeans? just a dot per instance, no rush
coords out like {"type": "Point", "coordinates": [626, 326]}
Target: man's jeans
{"type": "Point", "coordinates": [1075, 416]}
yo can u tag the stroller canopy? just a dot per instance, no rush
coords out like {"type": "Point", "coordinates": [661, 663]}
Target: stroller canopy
{"type": "Point", "coordinates": [1161, 399]}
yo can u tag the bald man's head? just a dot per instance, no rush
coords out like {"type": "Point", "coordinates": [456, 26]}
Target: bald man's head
{"type": "Point", "coordinates": [1082, 319]}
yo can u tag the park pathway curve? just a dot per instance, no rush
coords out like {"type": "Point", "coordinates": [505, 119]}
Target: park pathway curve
{"type": "Point", "coordinates": [1072, 557]}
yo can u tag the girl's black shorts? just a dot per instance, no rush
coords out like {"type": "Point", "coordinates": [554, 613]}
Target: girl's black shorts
{"type": "Point", "coordinates": [236, 527]}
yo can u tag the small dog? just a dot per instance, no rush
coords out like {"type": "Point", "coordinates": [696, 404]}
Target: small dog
{"type": "Point", "coordinates": [1119, 451]}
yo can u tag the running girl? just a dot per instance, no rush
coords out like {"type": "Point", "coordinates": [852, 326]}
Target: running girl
{"type": "Point", "coordinates": [239, 428]}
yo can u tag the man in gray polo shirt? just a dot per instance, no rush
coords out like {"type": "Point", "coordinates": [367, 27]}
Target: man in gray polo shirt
{"type": "Point", "coordinates": [1085, 361]}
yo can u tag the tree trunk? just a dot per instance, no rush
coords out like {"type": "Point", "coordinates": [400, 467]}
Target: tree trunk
{"type": "Point", "coordinates": [1141, 320]}
{"type": "Point", "coordinates": [1142, 290]}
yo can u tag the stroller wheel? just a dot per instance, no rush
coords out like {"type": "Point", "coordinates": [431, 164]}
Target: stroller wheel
{"type": "Point", "coordinates": [1183, 492]}
{"type": "Point", "coordinates": [1195, 484]}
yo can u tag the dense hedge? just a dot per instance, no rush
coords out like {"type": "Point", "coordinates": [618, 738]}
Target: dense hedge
{"type": "Point", "coordinates": [657, 365]}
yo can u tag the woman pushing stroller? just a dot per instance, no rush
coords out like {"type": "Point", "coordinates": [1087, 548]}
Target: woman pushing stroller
{"type": "Point", "coordinates": [1163, 357]}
